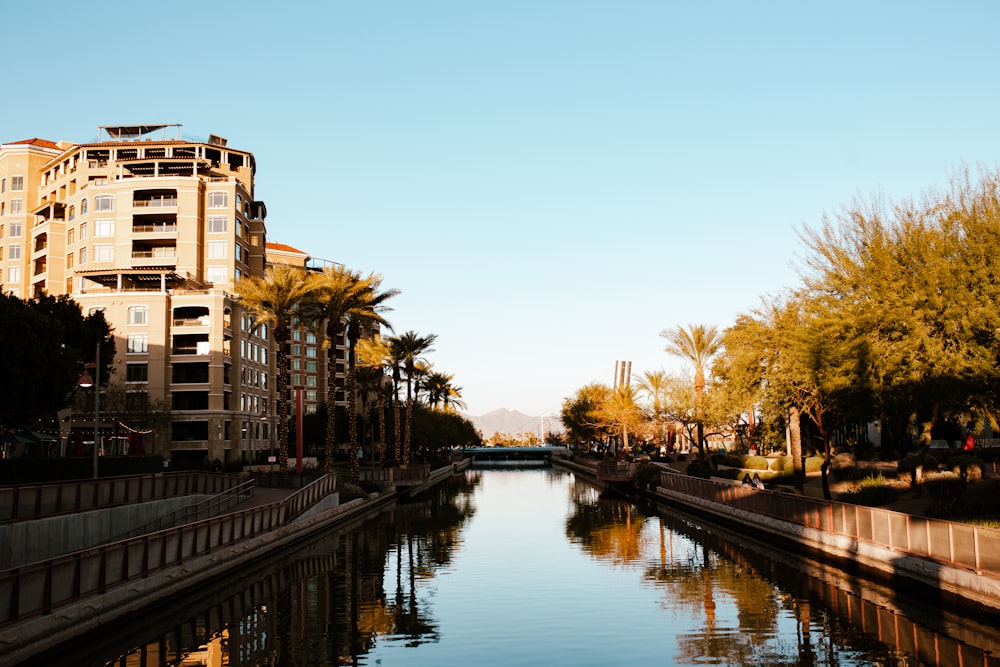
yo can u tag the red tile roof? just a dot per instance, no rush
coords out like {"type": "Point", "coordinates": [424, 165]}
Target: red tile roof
{"type": "Point", "coordinates": [44, 143]}
{"type": "Point", "coordinates": [281, 247]}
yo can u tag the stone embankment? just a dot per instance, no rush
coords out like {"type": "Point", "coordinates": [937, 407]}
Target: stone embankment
{"type": "Point", "coordinates": [956, 561]}
{"type": "Point", "coordinates": [53, 601]}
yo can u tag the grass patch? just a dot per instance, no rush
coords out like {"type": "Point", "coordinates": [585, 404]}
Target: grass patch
{"type": "Point", "coordinates": [871, 491]}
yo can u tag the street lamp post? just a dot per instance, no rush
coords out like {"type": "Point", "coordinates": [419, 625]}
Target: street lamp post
{"type": "Point", "coordinates": [86, 382]}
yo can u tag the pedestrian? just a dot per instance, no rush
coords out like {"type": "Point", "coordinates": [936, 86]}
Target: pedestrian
{"type": "Point", "coordinates": [970, 442]}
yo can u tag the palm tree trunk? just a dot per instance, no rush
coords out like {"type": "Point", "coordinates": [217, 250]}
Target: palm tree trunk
{"type": "Point", "coordinates": [281, 348]}
{"type": "Point", "coordinates": [329, 443]}
{"type": "Point", "coordinates": [795, 442]}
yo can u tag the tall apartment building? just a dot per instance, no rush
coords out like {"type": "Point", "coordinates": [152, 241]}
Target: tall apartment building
{"type": "Point", "coordinates": [154, 228]}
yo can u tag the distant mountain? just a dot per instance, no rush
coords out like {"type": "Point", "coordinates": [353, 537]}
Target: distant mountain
{"type": "Point", "coordinates": [511, 422]}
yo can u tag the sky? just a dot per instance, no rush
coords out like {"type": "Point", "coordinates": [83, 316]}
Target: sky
{"type": "Point", "coordinates": [549, 183]}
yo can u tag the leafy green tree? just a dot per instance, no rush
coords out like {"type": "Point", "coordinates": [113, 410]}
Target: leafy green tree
{"type": "Point", "coordinates": [917, 282]}
{"type": "Point", "coordinates": [276, 299]}
{"type": "Point", "coordinates": [620, 414]}
{"type": "Point", "coordinates": [46, 342]}
{"type": "Point", "coordinates": [580, 414]}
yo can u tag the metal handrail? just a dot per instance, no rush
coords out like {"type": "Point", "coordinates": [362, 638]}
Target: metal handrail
{"type": "Point", "coordinates": [28, 502]}
{"type": "Point", "coordinates": [205, 509]}
{"type": "Point", "coordinates": [38, 588]}
{"type": "Point", "coordinates": [974, 548]}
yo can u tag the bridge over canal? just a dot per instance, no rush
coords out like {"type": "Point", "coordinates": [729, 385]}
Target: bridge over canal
{"type": "Point", "coordinates": [542, 454]}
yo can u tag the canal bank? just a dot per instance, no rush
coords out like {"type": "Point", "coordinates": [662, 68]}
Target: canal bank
{"type": "Point", "coordinates": [67, 597]}
{"type": "Point", "coordinates": [956, 563]}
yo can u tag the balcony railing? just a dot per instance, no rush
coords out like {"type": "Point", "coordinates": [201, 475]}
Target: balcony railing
{"type": "Point", "coordinates": [159, 228]}
{"type": "Point", "coordinates": [155, 202]}
{"type": "Point", "coordinates": [157, 253]}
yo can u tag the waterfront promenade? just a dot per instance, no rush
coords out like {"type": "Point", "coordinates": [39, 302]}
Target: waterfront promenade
{"type": "Point", "coordinates": [954, 561]}
{"type": "Point", "coordinates": [68, 595]}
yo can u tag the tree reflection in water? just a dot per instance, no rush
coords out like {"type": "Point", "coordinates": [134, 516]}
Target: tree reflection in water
{"type": "Point", "coordinates": [359, 593]}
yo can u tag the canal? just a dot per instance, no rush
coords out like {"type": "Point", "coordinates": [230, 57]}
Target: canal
{"type": "Point", "coordinates": [533, 566]}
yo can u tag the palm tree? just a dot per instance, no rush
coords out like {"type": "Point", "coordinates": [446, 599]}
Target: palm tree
{"type": "Point", "coordinates": [654, 385]}
{"type": "Point", "coordinates": [364, 316]}
{"type": "Point", "coordinates": [370, 386]}
{"type": "Point", "coordinates": [697, 343]}
{"type": "Point", "coordinates": [408, 348]}
{"type": "Point", "coordinates": [344, 299]}
{"type": "Point", "coordinates": [276, 300]}
{"type": "Point", "coordinates": [441, 390]}
{"type": "Point", "coordinates": [375, 353]}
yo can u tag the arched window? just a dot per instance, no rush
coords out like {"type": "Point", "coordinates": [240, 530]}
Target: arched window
{"type": "Point", "coordinates": [72, 212]}
{"type": "Point", "coordinates": [138, 315]}
{"type": "Point", "coordinates": [83, 207]}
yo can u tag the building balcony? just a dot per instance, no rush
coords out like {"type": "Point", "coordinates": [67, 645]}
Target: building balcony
{"type": "Point", "coordinates": [155, 202]}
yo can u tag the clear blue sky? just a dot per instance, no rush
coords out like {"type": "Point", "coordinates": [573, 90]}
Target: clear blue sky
{"type": "Point", "coordinates": [549, 183]}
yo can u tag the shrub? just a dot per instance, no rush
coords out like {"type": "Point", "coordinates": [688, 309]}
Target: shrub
{"type": "Point", "coordinates": [730, 461]}
{"type": "Point", "coordinates": [699, 469]}
{"type": "Point", "coordinates": [871, 492]}
{"type": "Point", "coordinates": [350, 492]}
{"type": "Point", "coordinates": [866, 451]}
{"type": "Point", "coordinates": [647, 476]}
{"type": "Point", "coordinates": [754, 463]}
{"type": "Point", "coordinates": [730, 473]}
{"type": "Point", "coordinates": [969, 468]}
{"type": "Point", "coordinates": [782, 464]}
{"type": "Point", "coordinates": [814, 463]}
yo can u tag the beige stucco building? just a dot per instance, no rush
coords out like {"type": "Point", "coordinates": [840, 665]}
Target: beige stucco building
{"type": "Point", "coordinates": [154, 228]}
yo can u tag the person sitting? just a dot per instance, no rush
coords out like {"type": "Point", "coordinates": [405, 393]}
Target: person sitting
{"type": "Point", "coordinates": [757, 483]}
{"type": "Point", "coordinates": [746, 481]}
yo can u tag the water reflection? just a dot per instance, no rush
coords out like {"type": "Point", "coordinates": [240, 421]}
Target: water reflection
{"type": "Point", "coordinates": [474, 573]}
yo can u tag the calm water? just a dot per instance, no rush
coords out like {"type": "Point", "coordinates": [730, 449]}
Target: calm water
{"type": "Point", "coordinates": [533, 567]}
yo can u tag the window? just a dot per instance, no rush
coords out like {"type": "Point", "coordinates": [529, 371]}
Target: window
{"type": "Point", "coordinates": [83, 255]}
{"type": "Point", "coordinates": [14, 251]}
{"type": "Point", "coordinates": [217, 274]}
{"type": "Point", "coordinates": [3, 185]}
{"type": "Point", "coordinates": [69, 261]}
{"type": "Point", "coordinates": [104, 203]}
{"type": "Point", "coordinates": [138, 344]}
{"type": "Point", "coordinates": [104, 228]}
{"type": "Point", "coordinates": [104, 252]}
{"type": "Point", "coordinates": [217, 224]}
{"type": "Point", "coordinates": [310, 380]}
{"type": "Point", "coordinates": [72, 212]}
{"type": "Point", "coordinates": [1, 253]}
{"type": "Point", "coordinates": [70, 236]}
{"type": "Point", "coordinates": [16, 206]}
{"type": "Point", "coordinates": [311, 366]}
{"type": "Point", "coordinates": [15, 229]}
{"type": "Point", "coordinates": [218, 249]}
{"type": "Point", "coordinates": [83, 207]}
{"type": "Point", "coordinates": [137, 372]}
{"type": "Point", "coordinates": [83, 230]}
{"type": "Point", "coordinates": [138, 315]}
{"type": "Point", "coordinates": [311, 352]}
{"type": "Point", "coordinates": [17, 183]}
{"type": "Point", "coordinates": [14, 274]}
{"type": "Point", "coordinates": [218, 199]}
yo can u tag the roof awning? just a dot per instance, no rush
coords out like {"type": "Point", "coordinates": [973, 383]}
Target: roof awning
{"type": "Point", "coordinates": [146, 274]}
{"type": "Point", "coordinates": [133, 132]}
